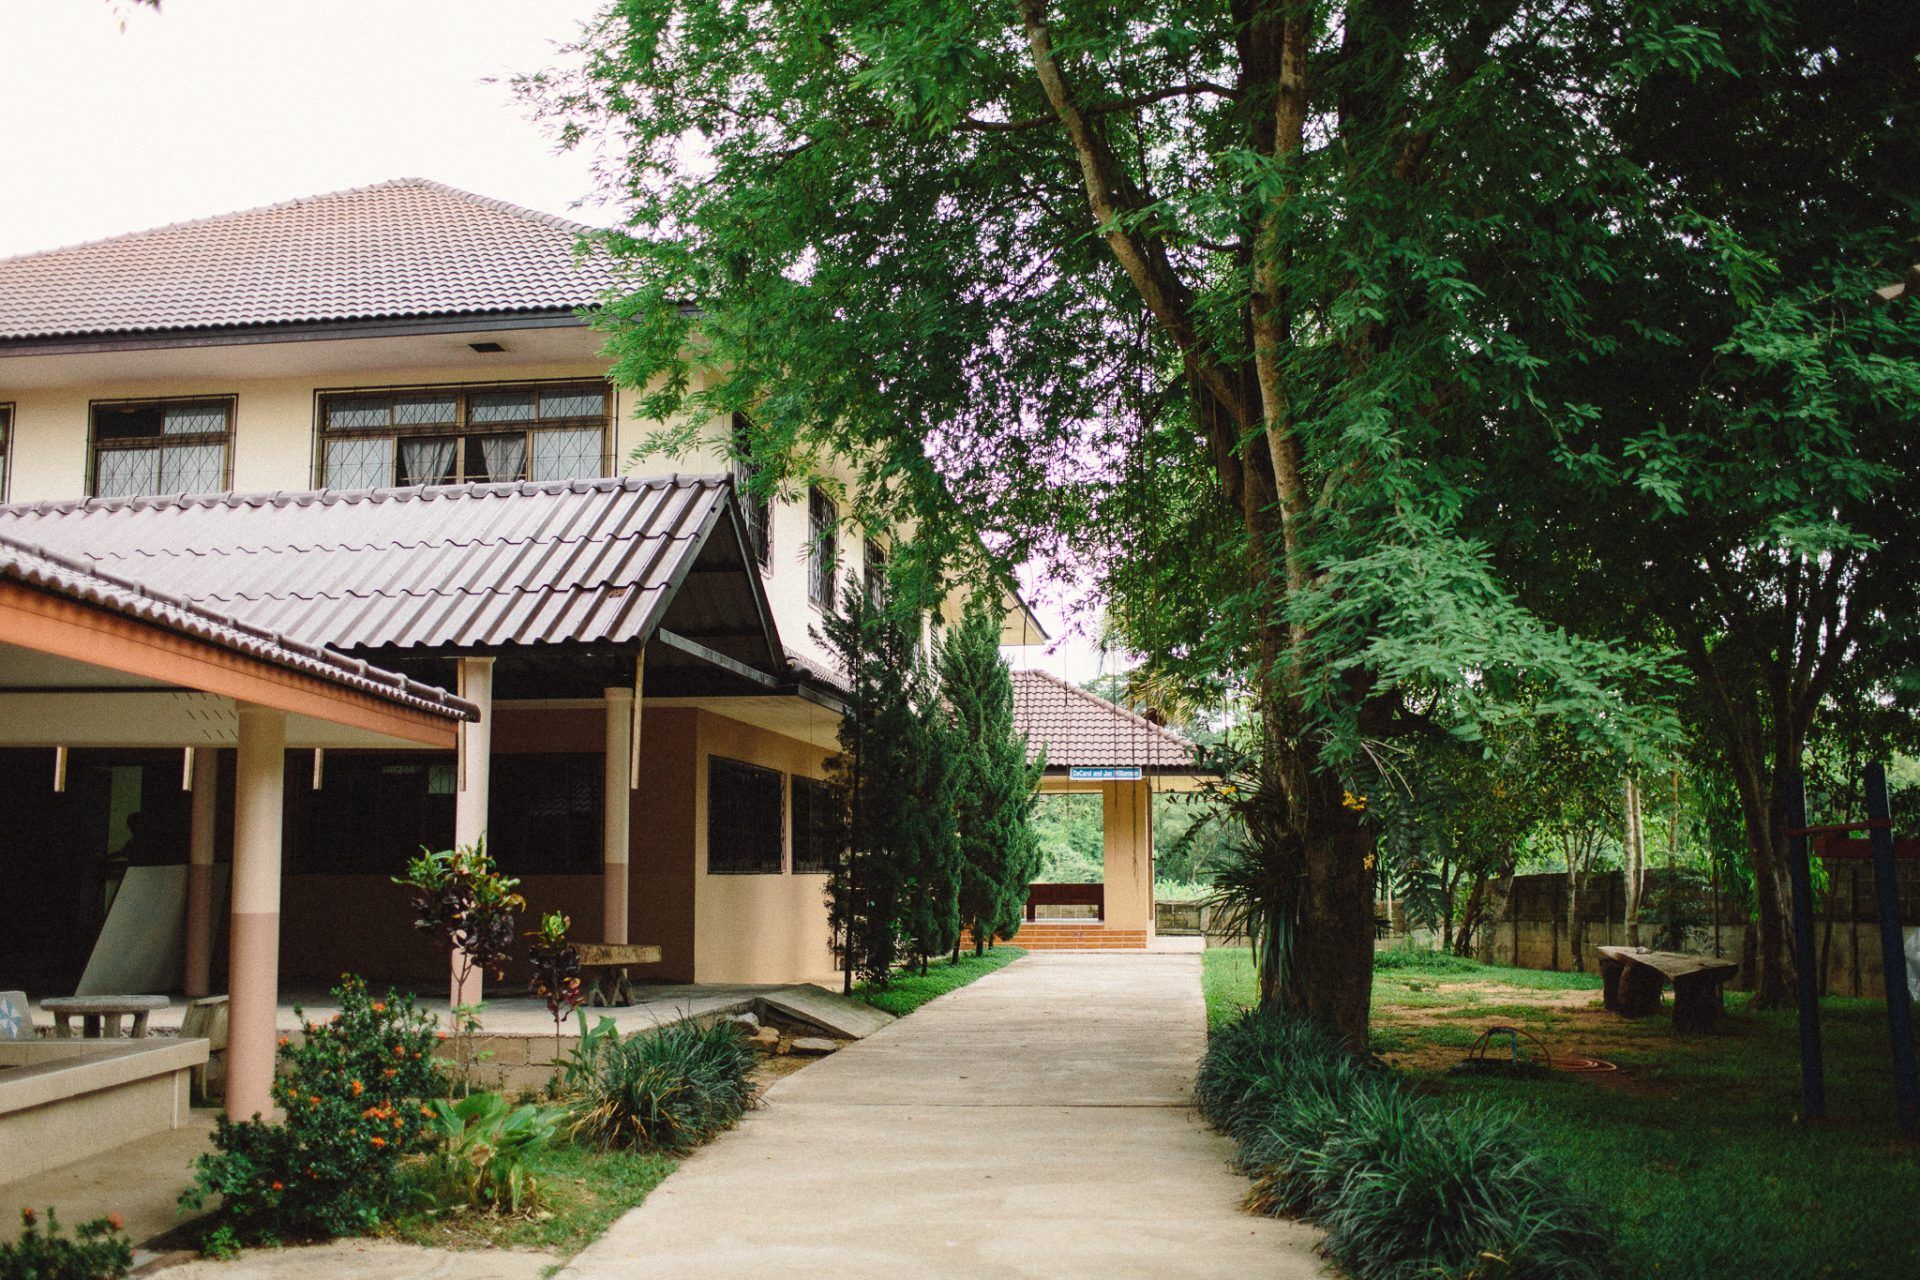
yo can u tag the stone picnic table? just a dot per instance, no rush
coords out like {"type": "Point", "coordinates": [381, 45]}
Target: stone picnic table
{"type": "Point", "coordinates": [100, 1015]}
{"type": "Point", "coordinates": [1631, 979]}
{"type": "Point", "coordinates": [604, 966]}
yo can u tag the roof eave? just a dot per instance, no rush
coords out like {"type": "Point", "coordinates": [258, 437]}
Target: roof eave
{"type": "Point", "coordinates": [299, 331]}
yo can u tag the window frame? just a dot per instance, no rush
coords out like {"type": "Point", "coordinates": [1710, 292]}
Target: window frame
{"type": "Point", "coordinates": [159, 444]}
{"type": "Point", "coordinates": [756, 510]}
{"type": "Point", "coordinates": [462, 429]}
{"type": "Point", "coordinates": [796, 841]}
{"type": "Point", "coordinates": [6, 449]}
{"type": "Point", "coordinates": [779, 831]}
{"type": "Point", "coordinates": [823, 547]}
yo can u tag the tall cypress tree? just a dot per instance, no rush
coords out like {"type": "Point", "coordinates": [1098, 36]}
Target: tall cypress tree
{"type": "Point", "coordinates": [993, 785]}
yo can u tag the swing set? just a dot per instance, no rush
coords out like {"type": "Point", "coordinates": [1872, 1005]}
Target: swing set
{"type": "Point", "coordinates": [1842, 842]}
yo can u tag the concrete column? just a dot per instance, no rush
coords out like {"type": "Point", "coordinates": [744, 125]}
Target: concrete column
{"type": "Point", "coordinates": [254, 954]}
{"type": "Point", "coordinates": [1124, 855]}
{"type": "Point", "coordinates": [206, 777]}
{"type": "Point", "coordinates": [617, 799]}
{"type": "Point", "coordinates": [470, 805]}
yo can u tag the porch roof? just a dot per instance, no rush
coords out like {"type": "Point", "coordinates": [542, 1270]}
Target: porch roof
{"type": "Point", "coordinates": [1078, 729]}
{"type": "Point", "coordinates": [443, 570]}
{"type": "Point", "coordinates": [95, 592]}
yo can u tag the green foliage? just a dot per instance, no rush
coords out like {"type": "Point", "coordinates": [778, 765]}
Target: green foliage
{"type": "Point", "coordinates": [97, 1250]}
{"type": "Point", "coordinates": [895, 888]}
{"type": "Point", "coordinates": [461, 900]}
{"type": "Point", "coordinates": [582, 1192]}
{"type": "Point", "coordinates": [662, 1091]}
{"type": "Point", "coordinates": [222, 1244]}
{"type": "Point", "coordinates": [556, 969]}
{"type": "Point", "coordinates": [994, 785]}
{"type": "Point", "coordinates": [488, 1148]}
{"type": "Point", "coordinates": [909, 991]}
{"type": "Point", "coordinates": [354, 1089]}
{"type": "Point", "coordinates": [1404, 1187]}
{"type": "Point", "coordinates": [1067, 828]}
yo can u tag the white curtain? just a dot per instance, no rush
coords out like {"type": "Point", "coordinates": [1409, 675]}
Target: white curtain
{"type": "Point", "coordinates": [506, 456]}
{"type": "Point", "coordinates": [428, 461]}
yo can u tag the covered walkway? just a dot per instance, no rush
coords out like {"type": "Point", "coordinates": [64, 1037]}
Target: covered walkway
{"type": "Point", "coordinates": [1037, 1123]}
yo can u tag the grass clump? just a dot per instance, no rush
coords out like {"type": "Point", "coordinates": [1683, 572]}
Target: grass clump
{"type": "Point", "coordinates": [661, 1091]}
{"type": "Point", "coordinates": [908, 991]}
{"type": "Point", "coordinates": [1405, 1187]}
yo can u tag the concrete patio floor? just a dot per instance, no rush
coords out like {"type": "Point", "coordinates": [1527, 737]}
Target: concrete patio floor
{"type": "Point", "coordinates": [1037, 1123]}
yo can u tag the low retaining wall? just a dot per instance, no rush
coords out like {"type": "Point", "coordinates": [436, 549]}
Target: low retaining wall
{"type": "Point", "coordinates": [65, 1100]}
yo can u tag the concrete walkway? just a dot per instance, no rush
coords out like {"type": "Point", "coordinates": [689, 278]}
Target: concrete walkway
{"type": "Point", "coordinates": [1037, 1123]}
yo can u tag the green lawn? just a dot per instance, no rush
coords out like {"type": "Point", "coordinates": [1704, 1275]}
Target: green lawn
{"type": "Point", "coordinates": [581, 1192]}
{"type": "Point", "coordinates": [908, 992]}
{"type": "Point", "coordinates": [1693, 1142]}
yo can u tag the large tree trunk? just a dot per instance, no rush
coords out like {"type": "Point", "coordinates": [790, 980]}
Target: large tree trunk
{"type": "Point", "coordinates": [1763, 815]}
{"type": "Point", "coordinates": [1333, 961]}
{"type": "Point", "coordinates": [1470, 917]}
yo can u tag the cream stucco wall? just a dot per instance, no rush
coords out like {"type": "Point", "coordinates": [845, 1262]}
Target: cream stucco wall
{"type": "Point", "coordinates": [756, 928]}
{"type": "Point", "coordinates": [276, 388]}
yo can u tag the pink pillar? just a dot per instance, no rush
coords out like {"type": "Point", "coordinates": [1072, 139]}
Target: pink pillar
{"type": "Point", "coordinates": [618, 798]}
{"type": "Point", "coordinates": [470, 804]}
{"type": "Point", "coordinates": [206, 775]}
{"type": "Point", "coordinates": [254, 955]}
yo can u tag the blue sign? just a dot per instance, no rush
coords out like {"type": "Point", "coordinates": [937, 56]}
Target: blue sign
{"type": "Point", "coordinates": [1104, 773]}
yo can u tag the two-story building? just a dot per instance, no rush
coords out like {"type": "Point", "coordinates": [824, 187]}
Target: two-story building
{"type": "Point", "coordinates": [378, 419]}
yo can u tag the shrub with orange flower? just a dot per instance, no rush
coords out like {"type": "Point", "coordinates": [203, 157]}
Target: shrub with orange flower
{"type": "Point", "coordinates": [352, 1090]}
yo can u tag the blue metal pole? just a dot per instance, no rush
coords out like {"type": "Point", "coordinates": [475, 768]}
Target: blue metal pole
{"type": "Point", "coordinates": [1893, 958]}
{"type": "Point", "coordinates": [1813, 1079]}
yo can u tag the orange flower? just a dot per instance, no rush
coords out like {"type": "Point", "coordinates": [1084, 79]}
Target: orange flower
{"type": "Point", "coordinates": [377, 1140]}
{"type": "Point", "coordinates": [357, 1088]}
{"type": "Point", "coordinates": [427, 1112]}
{"type": "Point", "coordinates": [28, 1216]}
{"type": "Point", "coordinates": [378, 1007]}
{"type": "Point", "coordinates": [283, 1042]}
{"type": "Point", "coordinates": [113, 1220]}
{"type": "Point", "coordinates": [279, 1186]}
{"type": "Point", "coordinates": [439, 1035]}
{"type": "Point", "coordinates": [399, 1051]}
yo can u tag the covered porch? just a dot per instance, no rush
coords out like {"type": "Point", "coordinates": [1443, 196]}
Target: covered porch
{"type": "Point", "coordinates": [86, 654]}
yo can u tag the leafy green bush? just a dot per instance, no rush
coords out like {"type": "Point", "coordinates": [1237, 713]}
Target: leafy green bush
{"type": "Point", "coordinates": [489, 1146]}
{"type": "Point", "coordinates": [353, 1089]}
{"type": "Point", "coordinates": [97, 1250]}
{"type": "Point", "coordinates": [667, 1090]}
{"type": "Point", "coordinates": [1404, 1187]}
{"type": "Point", "coordinates": [1421, 960]}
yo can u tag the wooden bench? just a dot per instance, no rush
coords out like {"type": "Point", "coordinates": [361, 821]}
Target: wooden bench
{"type": "Point", "coordinates": [1631, 979]}
{"type": "Point", "coordinates": [100, 1015]}
{"type": "Point", "coordinates": [603, 970]}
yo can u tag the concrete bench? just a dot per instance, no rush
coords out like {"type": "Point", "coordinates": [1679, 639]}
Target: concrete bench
{"type": "Point", "coordinates": [1631, 979]}
{"type": "Point", "coordinates": [603, 970]}
{"type": "Point", "coordinates": [100, 1015]}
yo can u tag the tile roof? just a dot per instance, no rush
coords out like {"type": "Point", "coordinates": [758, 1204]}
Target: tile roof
{"type": "Point", "coordinates": [405, 248]}
{"type": "Point", "coordinates": [1078, 728]}
{"type": "Point", "coordinates": [459, 567]}
{"type": "Point", "coordinates": [68, 577]}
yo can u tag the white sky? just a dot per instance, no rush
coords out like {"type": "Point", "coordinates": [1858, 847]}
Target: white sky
{"type": "Point", "coordinates": [114, 118]}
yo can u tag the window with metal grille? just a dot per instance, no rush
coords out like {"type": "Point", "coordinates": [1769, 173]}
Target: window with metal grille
{"type": "Point", "coordinates": [823, 549]}
{"type": "Point", "coordinates": [745, 819]}
{"type": "Point", "coordinates": [159, 446]}
{"type": "Point", "coordinates": [6, 449]}
{"type": "Point", "coordinates": [874, 558]}
{"type": "Point", "coordinates": [816, 831]}
{"type": "Point", "coordinates": [460, 435]}
{"type": "Point", "coordinates": [756, 509]}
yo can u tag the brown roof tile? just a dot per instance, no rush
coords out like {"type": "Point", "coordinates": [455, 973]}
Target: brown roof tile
{"type": "Point", "coordinates": [1078, 728]}
{"type": "Point", "coordinates": [73, 579]}
{"type": "Point", "coordinates": [460, 567]}
{"type": "Point", "coordinates": [405, 248]}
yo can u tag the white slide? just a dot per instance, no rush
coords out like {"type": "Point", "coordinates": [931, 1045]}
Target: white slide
{"type": "Point", "coordinates": [141, 948]}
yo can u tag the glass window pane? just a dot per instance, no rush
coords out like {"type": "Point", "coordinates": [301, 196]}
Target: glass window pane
{"type": "Point", "coordinates": [361, 412]}
{"type": "Point", "coordinates": [127, 421]}
{"type": "Point", "coordinates": [501, 406]}
{"type": "Point", "coordinates": [195, 419]}
{"type": "Point", "coordinates": [744, 819]}
{"type": "Point", "coordinates": [426, 461]}
{"type": "Point", "coordinates": [496, 458]}
{"type": "Point", "coordinates": [416, 411]}
{"type": "Point", "coordinates": [193, 468]}
{"type": "Point", "coordinates": [364, 462]}
{"type": "Point", "coordinates": [573, 403]}
{"type": "Point", "coordinates": [126, 473]}
{"type": "Point", "coordinates": [567, 454]}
